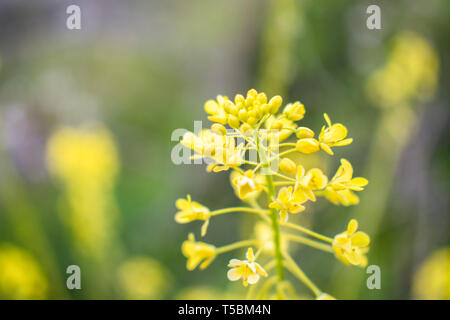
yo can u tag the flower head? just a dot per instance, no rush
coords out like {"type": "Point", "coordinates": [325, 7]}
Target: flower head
{"type": "Point", "coordinates": [294, 111]}
{"type": "Point", "coordinates": [333, 136]}
{"type": "Point", "coordinates": [314, 179]}
{"type": "Point", "coordinates": [247, 185]}
{"type": "Point", "coordinates": [339, 190]}
{"type": "Point", "coordinates": [197, 253]}
{"type": "Point", "coordinates": [220, 148]}
{"type": "Point", "coordinates": [287, 202]}
{"type": "Point", "coordinates": [247, 110]}
{"type": "Point", "coordinates": [190, 211]}
{"type": "Point", "coordinates": [248, 270]}
{"type": "Point", "coordinates": [351, 246]}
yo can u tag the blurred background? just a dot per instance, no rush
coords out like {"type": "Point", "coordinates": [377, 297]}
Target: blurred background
{"type": "Point", "coordinates": [86, 118]}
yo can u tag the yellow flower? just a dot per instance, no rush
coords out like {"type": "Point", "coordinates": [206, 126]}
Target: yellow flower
{"type": "Point", "coordinates": [307, 145]}
{"type": "Point", "coordinates": [197, 253]}
{"type": "Point", "coordinates": [142, 278]}
{"type": "Point", "coordinates": [280, 127]}
{"type": "Point", "coordinates": [222, 149]}
{"type": "Point", "coordinates": [190, 211]}
{"type": "Point", "coordinates": [333, 136]}
{"type": "Point", "coordinates": [248, 185]}
{"type": "Point", "coordinates": [314, 179]}
{"type": "Point", "coordinates": [83, 156]}
{"type": "Point", "coordinates": [339, 190]}
{"type": "Point", "coordinates": [247, 110]}
{"type": "Point", "coordinates": [287, 202]}
{"type": "Point", "coordinates": [325, 296]}
{"type": "Point", "coordinates": [21, 276]}
{"type": "Point", "coordinates": [294, 111]}
{"type": "Point", "coordinates": [264, 233]}
{"type": "Point", "coordinates": [287, 166]}
{"type": "Point", "coordinates": [432, 279]}
{"type": "Point", "coordinates": [247, 270]}
{"type": "Point", "coordinates": [350, 246]}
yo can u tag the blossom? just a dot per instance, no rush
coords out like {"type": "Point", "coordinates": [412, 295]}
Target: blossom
{"type": "Point", "coordinates": [307, 145]}
{"type": "Point", "coordinates": [339, 190]}
{"type": "Point", "coordinates": [221, 149]}
{"type": "Point", "coordinates": [350, 246]}
{"type": "Point", "coordinates": [247, 185]}
{"type": "Point", "coordinates": [432, 279]}
{"type": "Point", "coordinates": [287, 202]}
{"type": "Point", "coordinates": [314, 179]}
{"type": "Point", "coordinates": [197, 253]}
{"type": "Point", "coordinates": [333, 136]}
{"type": "Point", "coordinates": [294, 111]}
{"type": "Point", "coordinates": [190, 211]}
{"type": "Point", "coordinates": [287, 166]}
{"type": "Point", "coordinates": [246, 110]}
{"type": "Point", "coordinates": [248, 270]}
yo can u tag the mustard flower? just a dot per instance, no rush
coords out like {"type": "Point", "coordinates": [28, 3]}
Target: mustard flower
{"type": "Point", "coordinates": [197, 253]}
{"type": "Point", "coordinates": [314, 179]}
{"type": "Point", "coordinates": [294, 111]}
{"type": "Point", "coordinates": [190, 211]}
{"type": "Point", "coordinates": [221, 149]}
{"type": "Point", "coordinates": [287, 202]}
{"type": "Point", "coordinates": [333, 136]}
{"type": "Point", "coordinates": [339, 190]}
{"type": "Point", "coordinates": [255, 119]}
{"type": "Point", "coordinates": [248, 185]}
{"type": "Point", "coordinates": [350, 246]}
{"type": "Point", "coordinates": [248, 270]}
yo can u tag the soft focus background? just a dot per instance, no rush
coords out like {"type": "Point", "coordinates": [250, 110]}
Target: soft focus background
{"type": "Point", "coordinates": [86, 118]}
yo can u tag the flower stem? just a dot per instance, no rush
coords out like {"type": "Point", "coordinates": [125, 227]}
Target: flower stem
{"type": "Point", "coordinates": [309, 242]}
{"type": "Point", "coordinates": [238, 209]}
{"type": "Point", "coordinates": [296, 271]}
{"type": "Point", "coordinates": [307, 231]}
{"type": "Point", "coordinates": [237, 245]}
{"type": "Point", "coordinates": [273, 214]}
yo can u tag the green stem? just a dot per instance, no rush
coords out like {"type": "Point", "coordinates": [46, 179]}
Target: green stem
{"type": "Point", "coordinates": [309, 242]}
{"type": "Point", "coordinates": [238, 209]}
{"type": "Point", "coordinates": [307, 231]}
{"type": "Point", "coordinates": [273, 215]}
{"type": "Point", "coordinates": [296, 271]}
{"type": "Point", "coordinates": [237, 245]}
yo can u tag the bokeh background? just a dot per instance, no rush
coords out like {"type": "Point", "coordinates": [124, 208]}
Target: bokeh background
{"type": "Point", "coordinates": [86, 118]}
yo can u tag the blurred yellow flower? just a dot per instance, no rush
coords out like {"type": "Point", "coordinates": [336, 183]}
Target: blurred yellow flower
{"type": "Point", "coordinates": [410, 73]}
{"type": "Point", "coordinates": [197, 253]}
{"type": "Point", "coordinates": [21, 276]}
{"type": "Point", "coordinates": [143, 278]}
{"type": "Point", "coordinates": [339, 189]}
{"type": "Point", "coordinates": [83, 156]}
{"type": "Point", "coordinates": [190, 211]}
{"type": "Point", "coordinates": [432, 279]}
{"type": "Point", "coordinates": [287, 202]}
{"type": "Point", "coordinates": [87, 163]}
{"type": "Point", "coordinates": [350, 246]}
{"type": "Point", "coordinates": [264, 233]}
{"type": "Point", "coordinates": [248, 270]}
{"type": "Point", "coordinates": [333, 136]}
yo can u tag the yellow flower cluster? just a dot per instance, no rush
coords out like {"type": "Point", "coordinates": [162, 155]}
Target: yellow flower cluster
{"type": "Point", "coordinates": [21, 276]}
{"type": "Point", "coordinates": [257, 122]}
{"type": "Point", "coordinates": [85, 160]}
